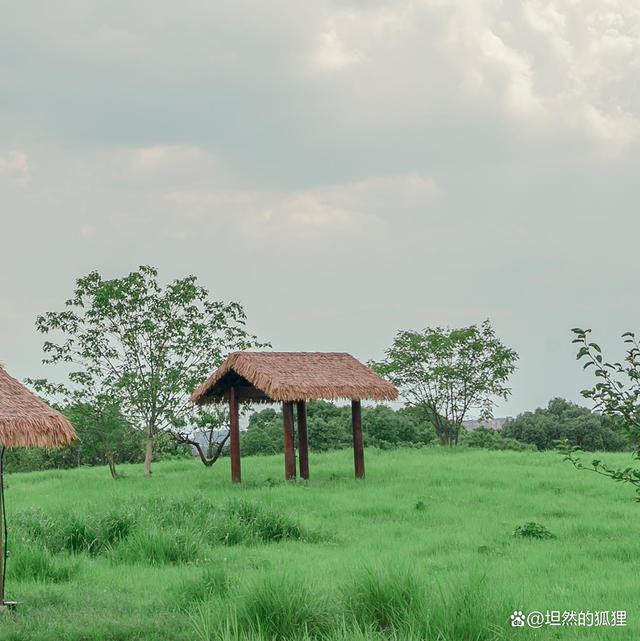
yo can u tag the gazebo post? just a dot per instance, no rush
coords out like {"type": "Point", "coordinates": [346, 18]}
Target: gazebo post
{"type": "Point", "coordinates": [25, 421]}
{"type": "Point", "coordinates": [303, 442]}
{"type": "Point", "coordinates": [358, 449]}
{"type": "Point", "coordinates": [234, 434]}
{"type": "Point", "coordinates": [289, 447]}
{"type": "Point", "coordinates": [3, 542]}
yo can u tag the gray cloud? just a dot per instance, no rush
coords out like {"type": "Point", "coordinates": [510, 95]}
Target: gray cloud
{"type": "Point", "coordinates": [344, 169]}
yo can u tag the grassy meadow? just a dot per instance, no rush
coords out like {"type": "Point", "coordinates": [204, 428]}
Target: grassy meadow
{"type": "Point", "coordinates": [422, 549]}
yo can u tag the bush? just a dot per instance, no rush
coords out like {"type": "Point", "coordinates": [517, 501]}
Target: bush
{"type": "Point", "coordinates": [562, 420]}
{"type": "Point", "coordinates": [533, 530]}
{"type": "Point", "coordinates": [489, 439]}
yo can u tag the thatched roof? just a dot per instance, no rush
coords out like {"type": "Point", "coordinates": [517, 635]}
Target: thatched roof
{"type": "Point", "coordinates": [26, 420]}
{"type": "Point", "coordinates": [297, 376]}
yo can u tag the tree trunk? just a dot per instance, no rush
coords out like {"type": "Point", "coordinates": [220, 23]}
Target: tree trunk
{"type": "Point", "coordinates": [112, 465]}
{"type": "Point", "coordinates": [211, 455]}
{"type": "Point", "coordinates": [149, 453]}
{"type": "Point", "coordinates": [441, 430]}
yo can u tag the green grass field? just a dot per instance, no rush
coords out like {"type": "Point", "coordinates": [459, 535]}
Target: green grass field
{"type": "Point", "coordinates": [422, 549]}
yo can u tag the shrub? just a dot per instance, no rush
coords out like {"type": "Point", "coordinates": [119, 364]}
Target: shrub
{"type": "Point", "coordinates": [533, 530]}
{"type": "Point", "coordinates": [492, 440]}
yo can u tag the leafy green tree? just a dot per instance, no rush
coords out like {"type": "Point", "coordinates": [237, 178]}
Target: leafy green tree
{"type": "Point", "coordinates": [264, 434]}
{"type": "Point", "coordinates": [449, 372]}
{"type": "Point", "coordinates": [145, 345]}
{"type": "Point", "coordinates": [616, 393]}
{"type": "Point", "coordinates": [385, 427]}
{"type": "Point", "coordinates": [104, 438]}
{"type": "Point", "coordinates": [562, 420]}
{"type": "Point", "coordinates": [102, 432]}
{"type": "Point", "coordinates": [329, 428]}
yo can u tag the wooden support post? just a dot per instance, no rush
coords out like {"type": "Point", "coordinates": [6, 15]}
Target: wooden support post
{"type": "Point", "coordinates": [2, 517]}
{"type": "Point", "coordinates": [289, 446]}
{"type": "Point", "coordinates": [234, 434]}
{"type": "Point", "coordinates": [358, 448]}
{"type": "Point", "coordinates": [303, 442]}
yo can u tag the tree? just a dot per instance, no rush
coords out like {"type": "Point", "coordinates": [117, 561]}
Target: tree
{"type": "Point", "coordinates": [617, 394]}
{"type": "Point", "coordinates": [145, 345]}
{"type": "Point", "coordinates": [213, 426]}
{"type": "Point", "coordinates": [450, 372]}
{"type": "Point", "coordinates": [329, 427]}
{"type": "Point", "coordinates": [562, 420]}
{"type": "Point", "coordinates": [94, 413]}
{"type": "Point", "coordinates": [102, 434]}
{"type": "Point", "coordinates": [264, 434]}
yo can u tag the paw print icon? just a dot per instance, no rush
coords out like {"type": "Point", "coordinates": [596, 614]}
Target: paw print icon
{"type": "Point", "coordinates": [517, 619]}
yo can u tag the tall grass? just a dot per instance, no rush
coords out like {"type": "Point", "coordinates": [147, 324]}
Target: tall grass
{"type": "Point", "coordinates": [283, 608]}
{"type": "Point", "coordinates": [186, 555]}
{"type": "Point", "coordinates": [35, 563]}
{"type": "Point", "coordinates": [154, 546]}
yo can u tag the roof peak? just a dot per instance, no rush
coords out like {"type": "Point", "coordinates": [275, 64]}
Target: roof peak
{"type": "Point", "coordinates": [297, 376]}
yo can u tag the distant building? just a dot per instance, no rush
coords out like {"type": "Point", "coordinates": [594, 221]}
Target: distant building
{"type": "Point", "coordinates": [493, 424]}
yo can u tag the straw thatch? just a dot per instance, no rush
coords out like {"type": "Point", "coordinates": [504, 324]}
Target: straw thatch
{"type": "Point", "coordinates": [297, 376]}
{"type": "Point", "coordinates": [26, 420]}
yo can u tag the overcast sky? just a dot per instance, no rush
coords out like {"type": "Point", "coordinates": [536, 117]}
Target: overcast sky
{"type": "Point", "coordinates": [344, 169]}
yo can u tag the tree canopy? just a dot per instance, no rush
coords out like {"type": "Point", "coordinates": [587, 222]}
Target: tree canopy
{"type": "Point", "coordinates": [144, 345]}
{"type": "Point", "coordinates": [562, 420]}
{"type": "Point", "coordinates": [450, 372]}
{"type": "Point", "coordinates": [615, 393]}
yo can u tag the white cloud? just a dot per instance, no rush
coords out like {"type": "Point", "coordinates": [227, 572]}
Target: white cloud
{"type": "Point", "coordinates": [561, 66]}
{"type": "Point", "coordinates": [553, 67]}
{"type": "Point", "coordinates": [165, 160]}
{"type": "Point", "coordinates": [332, 55]}
{"type": "Point", "coordinates": [15, 166]}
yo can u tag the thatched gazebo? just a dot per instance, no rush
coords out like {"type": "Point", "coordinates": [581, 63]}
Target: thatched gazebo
{"type": "Point", "coordinates": [25, 421]}
{"type": "Point", "coordinates": [293, 378]}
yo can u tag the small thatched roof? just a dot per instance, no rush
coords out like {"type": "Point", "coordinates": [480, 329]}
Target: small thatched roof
{"type": "Point", "coordinates": [26, 420]}
{"type": "Point", "coordinates": [296, 376]}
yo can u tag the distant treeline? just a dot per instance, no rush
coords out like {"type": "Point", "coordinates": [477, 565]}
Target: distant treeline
{"type": "Point", "coordinates": [329, 428]}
